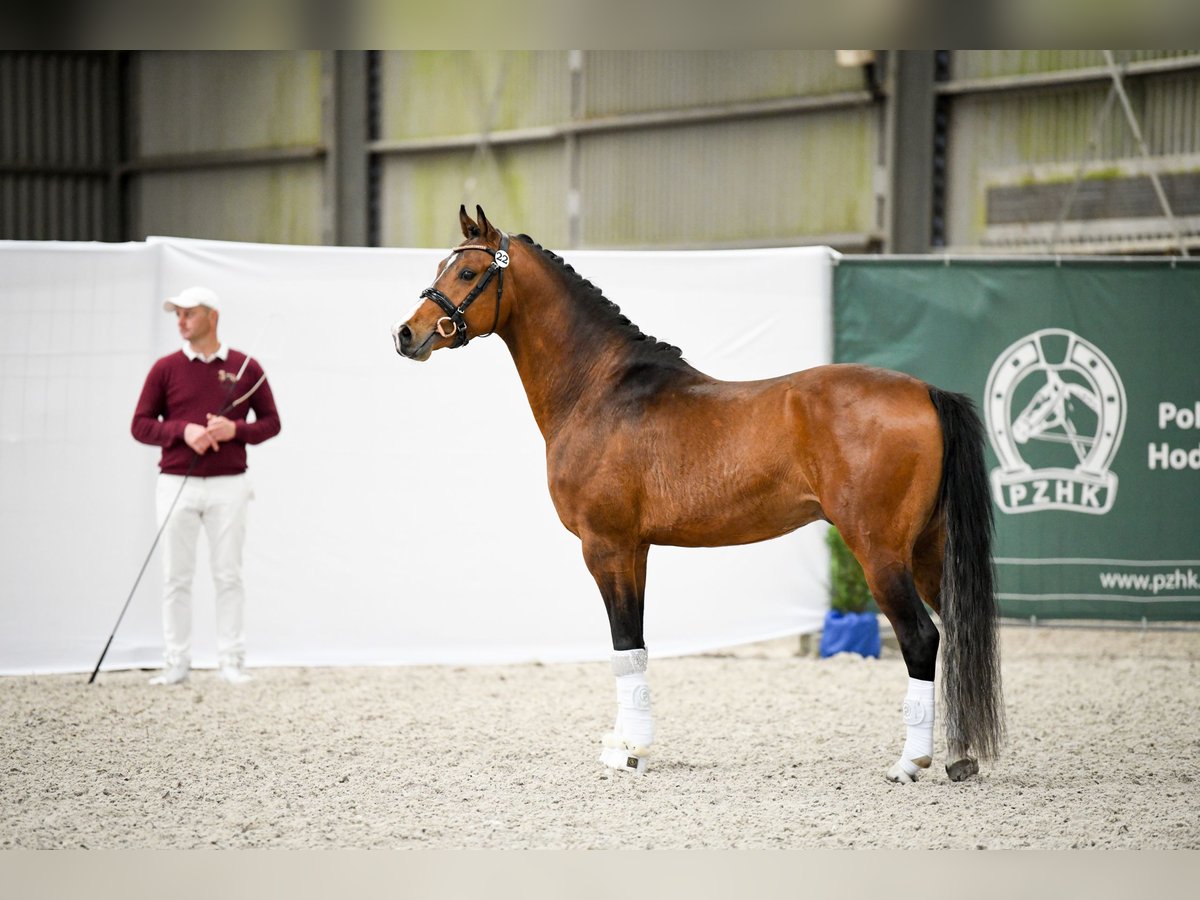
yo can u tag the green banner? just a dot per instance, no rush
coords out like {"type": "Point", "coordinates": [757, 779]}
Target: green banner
{"type": "Point", "coordinates": [1087, 376]}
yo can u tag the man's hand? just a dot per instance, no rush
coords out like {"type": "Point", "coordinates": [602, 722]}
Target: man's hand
{"type": "Point", "coordinates": [198, 438]}
{"type": "Point", "coordinates": [221, 428]}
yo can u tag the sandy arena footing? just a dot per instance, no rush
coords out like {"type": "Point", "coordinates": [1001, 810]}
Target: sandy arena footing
{"type": "Point", "coordinates": [756, 748]}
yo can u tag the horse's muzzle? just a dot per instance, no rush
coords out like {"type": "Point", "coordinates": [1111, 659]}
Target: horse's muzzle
{"type": "Point", "coordinates": [406, 343]}
{"type": "Point", "coordinates": [402, 337]}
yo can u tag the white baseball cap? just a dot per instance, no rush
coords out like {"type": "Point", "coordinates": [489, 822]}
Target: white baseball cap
{"type": "Point", "coordinates": [192, 297]}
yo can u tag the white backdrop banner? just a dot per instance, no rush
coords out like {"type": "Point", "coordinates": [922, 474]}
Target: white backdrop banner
{"type": "Point", "coordinates": [402, 515]}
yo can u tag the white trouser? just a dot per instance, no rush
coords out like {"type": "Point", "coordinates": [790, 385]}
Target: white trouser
{"type": "Point", "coordinates": [219, 504]}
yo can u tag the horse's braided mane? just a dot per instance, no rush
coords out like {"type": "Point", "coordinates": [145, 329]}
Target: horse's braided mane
{"type": "Point", "coordinates": [583, 289]}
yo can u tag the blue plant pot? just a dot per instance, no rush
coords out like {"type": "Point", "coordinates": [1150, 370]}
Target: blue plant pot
{"type": "Point", "coordinates": [850, 633]}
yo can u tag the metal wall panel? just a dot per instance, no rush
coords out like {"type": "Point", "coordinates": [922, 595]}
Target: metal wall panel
{"type": "Point", "coordinates": [264, 204]}
{"type": "Point", "coordinates": [589, 148]}
{"type": "Point", "coordinates": [1035, 141]}
{"type": "Point", "coordinates": [53, 208]}
{"type": "Point", "coordinates": [1171, 121]}
{"type": "Point", "coordinates": [207, 126]}
{"type": "Point", "coordinates": [521, 189]}
{"type": "Point", "coordinates": [442, 93]}
{"type": "Point", "coordinates": [58, 144]}
{"type": "Point", "coordinates": [996, 63]}
{"type": "Point", "coordinates": [620, 82]}
{"type": "Point", "coordinates": [196, 102]}
{"type": "Point", "coordinates": [786, 180]}
{"type": "Point", "coordinates": [50, 103]}
{"type": "Point", "coordinates": [602, 149]}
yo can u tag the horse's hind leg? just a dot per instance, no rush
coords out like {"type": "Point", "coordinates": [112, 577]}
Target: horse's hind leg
{"type": "Point", "coordinates": [918, 638]}
{"type": "Point", "coordinates": [620, 573]}
{"type": "Point", "coordinates": [928, 563]}
{"type": "Point", "coordinates": [893, 588]}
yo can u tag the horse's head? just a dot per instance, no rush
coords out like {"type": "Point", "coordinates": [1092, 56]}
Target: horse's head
{"type": "Point", "coordinates": [467, 297]}
{"type": "Point", "coordinates": [1043, 412]}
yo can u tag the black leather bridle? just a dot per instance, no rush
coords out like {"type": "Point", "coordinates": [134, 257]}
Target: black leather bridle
{"type": "Point", "coordinates": [455, 315]}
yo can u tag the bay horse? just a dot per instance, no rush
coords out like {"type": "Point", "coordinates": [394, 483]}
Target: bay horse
{"type": "Point", "coordinates": [642, 449]}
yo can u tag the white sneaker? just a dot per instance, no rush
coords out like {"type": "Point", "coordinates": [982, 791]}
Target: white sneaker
{"type": "Point", "coordinates": [176, 674]}
{"type": "Point", "coordinates": [233, 674]}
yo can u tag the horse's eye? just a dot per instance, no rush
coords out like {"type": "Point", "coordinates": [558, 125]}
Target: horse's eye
{"type": "Point", "coordinates": [466, 274]}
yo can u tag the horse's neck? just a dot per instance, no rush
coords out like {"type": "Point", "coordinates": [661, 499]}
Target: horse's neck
{"type": "Point", "coordinates": [559, 366]}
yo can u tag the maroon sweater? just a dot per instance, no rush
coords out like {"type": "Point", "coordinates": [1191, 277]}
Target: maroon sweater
{"type": "Point", "coordinates": [179, 391]}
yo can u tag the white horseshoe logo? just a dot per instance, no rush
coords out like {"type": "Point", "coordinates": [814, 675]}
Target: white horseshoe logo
{"type": "Point", "coordinates": [1092, 389]}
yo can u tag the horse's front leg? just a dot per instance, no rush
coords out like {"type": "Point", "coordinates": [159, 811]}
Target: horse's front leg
{"type": "Point", "coordinates": [620, 573]}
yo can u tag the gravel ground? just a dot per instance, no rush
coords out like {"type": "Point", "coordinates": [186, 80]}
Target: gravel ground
{"type": "Point", "coordinates": [757, 747]}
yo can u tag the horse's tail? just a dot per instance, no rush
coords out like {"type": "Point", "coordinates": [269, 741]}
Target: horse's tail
{"type": "Point", "coordinates": [973, 703]}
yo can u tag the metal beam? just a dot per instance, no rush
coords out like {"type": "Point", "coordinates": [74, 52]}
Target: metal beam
{"type": "Point", "coordinates": [908, 134]}
{"type": "Point", "coordinates": [574, 198]}
{"type": "Point", "coordinates": [1062, 77]}
{"type": "Point", "coordinates": [662, 119]}
{"type": "Point", "coordinates": [216, 159]}
{"type": "Point", "coordinates": [53, 168]}
{"type": "Point", "coordinates": [345, 125]}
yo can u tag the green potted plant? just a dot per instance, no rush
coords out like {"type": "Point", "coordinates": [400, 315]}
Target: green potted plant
{"type": "Point", "coordinates": [851, 625]}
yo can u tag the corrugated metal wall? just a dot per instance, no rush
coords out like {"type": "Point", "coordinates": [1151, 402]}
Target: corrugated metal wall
{"type": "Point", "coordinates": [630, 149]}
{"type": "Point", "coordinates": [593, 148]}
{"type": "Point", "coordinates": [437, 94]}
{"type": "Point", "coordinates": [1024, 125]}
{"type": "Point", "coordinates": [59, 146]}
{"type": "Point", "coordinates": [791, 179]}
{"type": "Point", "coordinates": [631, 81]}
{"type": "Point", "coordinates": [472, 127]}
{"type": "Point", "coordinates": [229, 145]}
{"type": "Point", "coordinates": [752, 176]}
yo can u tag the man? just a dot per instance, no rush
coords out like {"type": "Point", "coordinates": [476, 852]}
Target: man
{"type": "Point", "coordinates": [195, 405]}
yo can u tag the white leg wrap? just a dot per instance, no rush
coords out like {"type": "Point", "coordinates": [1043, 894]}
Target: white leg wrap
{"type": "Point", "coordinates": [918, 720]}
{"type": "Point", "coordinates": [628, 744]}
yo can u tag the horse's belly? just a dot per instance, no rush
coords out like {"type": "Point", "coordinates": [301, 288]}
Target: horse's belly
{"type": "Point", "coordinates": [681, 521]}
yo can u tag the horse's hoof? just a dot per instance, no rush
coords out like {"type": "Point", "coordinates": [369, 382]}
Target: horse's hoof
{"type": "Point", "coordinates": [963, 769]}
{"type": "Point", "coordinates": [897, 775]}
{"type": "Point", "coordinates": [624, 760]}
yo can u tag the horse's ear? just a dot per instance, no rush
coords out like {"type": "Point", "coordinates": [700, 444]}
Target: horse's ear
{"type": "Point", "coordinates": [469, 228]}
{"type": "Point", "coordinates": [486, 227]}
